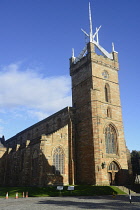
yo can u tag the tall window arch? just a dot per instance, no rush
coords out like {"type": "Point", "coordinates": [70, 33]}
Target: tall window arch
{"type": "Point", "coordinates": [58, 161]}
{"type": "Point", "coordinates": [111, 140]}
{"type": "Point", "coordinates": [107, 93]}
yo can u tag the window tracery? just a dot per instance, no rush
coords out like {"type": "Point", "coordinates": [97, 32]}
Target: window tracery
{"type": "Point", "coordinates": [113, 167]}
{"type": "Point", "coordinates": [111, 140]}
{"type": "Point", "coordinates": [58, 161]}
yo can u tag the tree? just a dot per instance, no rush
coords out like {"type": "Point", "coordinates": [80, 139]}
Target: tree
{"type": "Point", "coordinates": [135, 160]}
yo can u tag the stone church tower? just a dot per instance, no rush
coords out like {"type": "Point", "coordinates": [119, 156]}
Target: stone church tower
{"type": "Point", "coordinates": [100, 150]}
{"type": "Point", "coordinates": [82, 144]}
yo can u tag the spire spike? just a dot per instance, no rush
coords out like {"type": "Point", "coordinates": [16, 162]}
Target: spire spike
{"type": "Point", "coordinates": [113, 50]}
{"type": "Point", "coordinates": [90, 21]}
{"type": "Point", "coordinates": [72, 52]}
{"type": "Point", "coordinates": [93, 38]}
{"type": "Point", "coordinates": [84, 32]}
{"type": "Point", "coordinates": [97, 37]}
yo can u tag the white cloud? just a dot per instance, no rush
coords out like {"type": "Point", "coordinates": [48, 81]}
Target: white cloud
{"type": "Point", "coordinates": [29, 90]}
{"type": "Point", "coordinates": [1, 131]}
{"type": "Point", "coordinates": [37, 114]}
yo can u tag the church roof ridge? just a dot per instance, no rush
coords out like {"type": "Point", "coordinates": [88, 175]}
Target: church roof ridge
{"type": "Point", "coordinates": [47, 118]}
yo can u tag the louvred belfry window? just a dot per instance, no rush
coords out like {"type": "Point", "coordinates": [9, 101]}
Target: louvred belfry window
{"type": "Point", "coordinates": [107, 93]}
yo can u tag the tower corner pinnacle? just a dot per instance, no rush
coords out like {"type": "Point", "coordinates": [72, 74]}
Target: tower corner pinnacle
{"type": "Point", "coordinates": [115, 56]}
{"type": "Point", "coordinates": [90, 47]}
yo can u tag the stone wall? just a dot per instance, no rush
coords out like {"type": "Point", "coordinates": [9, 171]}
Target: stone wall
{"type": "Point", "coordinates": [29, 161]}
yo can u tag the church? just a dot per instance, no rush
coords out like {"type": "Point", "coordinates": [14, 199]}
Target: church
{"type": "Point", "coordinates": [82, 144]}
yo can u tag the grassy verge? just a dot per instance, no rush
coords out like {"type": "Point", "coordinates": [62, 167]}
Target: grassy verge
{"type": "Point", "coordinates": [80, 190]}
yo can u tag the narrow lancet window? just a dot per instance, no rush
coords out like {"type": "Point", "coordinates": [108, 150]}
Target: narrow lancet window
{"type": "Point", "coordinates": [107, 93]}
{"type": "Point", "coordinates": [109, 113]}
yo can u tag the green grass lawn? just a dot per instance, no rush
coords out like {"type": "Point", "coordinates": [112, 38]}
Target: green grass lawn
{"type": "Point", "coordinates": [80, 190]}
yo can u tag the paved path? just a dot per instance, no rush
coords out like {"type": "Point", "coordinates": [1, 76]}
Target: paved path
{"type": "Point", "coordinates": [71, 203]}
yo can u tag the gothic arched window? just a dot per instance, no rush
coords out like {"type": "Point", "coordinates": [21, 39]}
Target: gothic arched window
{"type": "Point", "coordinates": [111, 140]}
{"type": "Point", "coordinates": [107, 93]}
{"type": "Point", "coordinates": [113, 167]}
{"type": "Point", "coordinates": [58, 161]}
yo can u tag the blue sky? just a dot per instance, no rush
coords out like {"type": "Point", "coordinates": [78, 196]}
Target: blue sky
{"type": "Point", "coordinates": [36, 38]}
